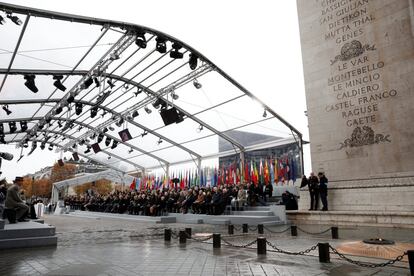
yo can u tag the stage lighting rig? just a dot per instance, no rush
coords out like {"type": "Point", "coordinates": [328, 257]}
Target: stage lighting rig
{"type": "Point", "coordinates": [12, 127]}
{"type": "Point", "coordinates": [30, 83]}
{"type": "Point", "coordinates": [161, 45]}
{"type": "Point", "coordinates": [97, 82]}
{"type": "Point", "coordinates": [71, 98]}
{"type": "Point", "coordinates": [94, 112]}
{"type": "Point", "coordinates": [88, 82]}
{"type": "Point", "coordinates": [2, 21]}
{"type": "Point", "coordinates": [107, 141]}
{"type": "Point", "coordinates": [111, 85]}
{"type": "Point", "coordinates": [78, 108]}
{"type": "Point", "coordinates": [6, 109]}
{"type": "Point", "coordinates": [14, 19]}
{"type": "Point", "coordinates": [119, 122]}
{"type": "Point", "coordinates": [175, 53]}
{"type": "Point", "coordinates": [23, 125]}
{"type": "Point", "coordinates": [58, 83]}
{"type": "Point", "coordinates": [58, 110]}
{"type": "Point", "coordinates": [193, 61]}
{"type": "Point", "coordinates": [141, 41]}
{"type": "Point", "coordinates": [114, 144]}
{"type": "Point", "coordinates": [2, 141]}
{"type": "Point", "coordinates": [100, 137]}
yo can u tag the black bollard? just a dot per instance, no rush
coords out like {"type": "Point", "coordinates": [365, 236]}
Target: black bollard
{"type": "Point", "coordinates": [188, 231]}
{"type": "Point", "coordinates": [293, 230]}
{"type": "Point", "coordinates": [334, 231]}
{"type": "Point", "coordinates": [261, 246]}
{"type": "Point", "coordinates": [231, 229]}
{"type": "Point", "coordinates": [167, 234]}
{"type": "Point", "coordinates": [260, 229]}
{"type": "Point", "coordinates": [183, 236]}
{"type": "Point", "coordinates": [410, 254]}
{"type": "Point", "coordinates": [324, 253]}
{"type": "Point", "coordinates": [216, 241]}
{"type": "Point", "coordinates": [245, 228]}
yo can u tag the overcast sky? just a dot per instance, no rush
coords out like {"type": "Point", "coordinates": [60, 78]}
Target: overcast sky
{"type": "Point", "coordinates": [255, 42]}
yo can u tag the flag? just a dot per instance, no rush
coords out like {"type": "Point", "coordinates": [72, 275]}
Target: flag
{"type": "Point", "coordinates": [133, 184]}
{"type": "Point", "coordinates": [272, 173]}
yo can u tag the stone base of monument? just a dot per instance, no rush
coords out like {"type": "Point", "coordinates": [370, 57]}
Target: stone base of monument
{"type": "Point", "coordinates": [27, 235]}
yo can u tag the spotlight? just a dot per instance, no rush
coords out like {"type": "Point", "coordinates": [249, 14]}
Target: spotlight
{"type": "Point", "coordinates": [109, 157]}
{"type": "Point", "coordinates": [200, 128]}
{"type": "Point", "coordinates": [111, 85]}
{"type": "Point", "coordinates": [93, 136]}
{"type": "Point", "coordinates": [59, 123]}
{"type": "Point", "coordinates": [107, 141]}
{"type": "Point", "coordinates": [264, 113]}
{"type": "Point", "coordinates": [196, 84]}
{"type": "Point", "coordinates": [50, 147]}
{"type": "Point", "coordinates": [2, 141]}
{"type": "Point", "coordinates": [120, 122]}
{"type": "Point", "coordinates": [2, 20]}
{"type": "Point", "coordinates": [175, 53]}
{"type": "Point", "coordinates": [100, 137]}
{"type": "Point", "coordinates": [30, 83]}
{"type": "Point", "coordinates": [15, 19]}
{"type": "Point", "coordinates": [42, 145]}
{"type": "Point", "coordinates": [12, 127]}
{"type": "Point", "coordinates": [161, 45]}
{"type": "Point", "coordinates": [6, 109]}
{"type": "Point", "coordinates": [94, 112]}
{"type": "Point", "coordinates": [114, 144]}
{"type": "Point", "coordinates": [41, 125]}
{"type": "Point", "coordinates": [159, 102]}
{"type": "Point", "coordinates": [147, 110]}
{"type": "Point", "coordinates": [88, 150]}
{"type": "Point", "coordinates": [58, 110]}
{"type": "Point", "coordinates": [141, 40]}
{"type": "Point", "coordinates": [80, 128]}
{"type": "Point", "coordinates": [97, 82]}
{"type": "Point", "coordinates": [1, 128]}
{"type": "Point", "coordinates": [58, 83]}
{"type": "Point", "coordinates": [23, 125]}
{"type": "Point", "coordinates": [88, 82]}
{"type": "Point", "coordinates": [135, 114]}
{"type": "Point", "coordinates": [78, 108]}
{"type": "Point", "coordinates": [193, 61]}
{"type": "Point", "coordinates": [139, 91]}
{"type": "Point", "coordinates": [144, 133]}
{"type": "Point", "coordinates": [174, 96]}
{"type": "Point", "coordinates": [159, 141]}
{"type": "Point", "coordinates": [130, 151]}
{"type": "Point", "coordinates": [105, 130]}
{"type": "Point", "coordinates": [70, 98]}
{"type": "Point", "coordinates": [111, 128]}
{"type": "Point", "coordinates": [103, 113]}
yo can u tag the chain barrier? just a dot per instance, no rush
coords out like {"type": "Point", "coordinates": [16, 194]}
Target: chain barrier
{"type": "Point", "coordinates": [198, 240]}
{"type": "Point", "coordinates": [238, 245]}
{"type": "Point", "coordinates": [253, 228]}
{"type": "Point", "coordinates": [366, 264]}
{"type": "Point", "coordinates": [237, 228]}
{"type": "Point", "coordinates": [276, 232]}
{"type": "Point", "coordinates": [174, 234]}
{"type": "Point", "coordinates": [303, 252]}
{"type": "Point", "coordinates": [313, 233]}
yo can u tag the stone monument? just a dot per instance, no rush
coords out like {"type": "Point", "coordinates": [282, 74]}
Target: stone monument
{"type": "Point", "coordinates": [358, 60]}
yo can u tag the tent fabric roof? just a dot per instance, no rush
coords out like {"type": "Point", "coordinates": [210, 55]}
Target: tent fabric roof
{"type": "Point", "coordinates": [115, 73]}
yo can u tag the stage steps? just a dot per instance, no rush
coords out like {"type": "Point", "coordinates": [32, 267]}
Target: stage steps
{"type": "Point", "coordinates": [27, 235]}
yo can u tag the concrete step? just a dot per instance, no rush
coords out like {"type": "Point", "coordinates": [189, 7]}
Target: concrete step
{"type": "Point", "coordinates": [26, 230]}
{"type": "Point", "coordinates": [28, 242]}
{"type": "Point", "coordinates": [253, 213]}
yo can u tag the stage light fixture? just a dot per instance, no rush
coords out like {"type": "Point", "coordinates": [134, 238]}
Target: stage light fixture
{"type": "Point", "coordinates": [42, 145]}
{"type": "Point", "coordinates": [264, 113]}
{"type": "Point", "coordinates": [114, 144]}
{"type": "Point", "coordinates": [50, 147]}
{"type": "Point", "coordinates": [200, 128]}
{"type": "Point", "coordinates": [175, 53]}
{"type": "Point", "coordinates": [105, 130]}
{"type": "Point", "coordinates": [130, 151]}
{"type": "Point", "coordinates": [119, 122]}
{"type": "Point", "coordinates": [159, 103]}
{"type": "Point", "coordinates": [88, 150]}
{"type": "Point", "coordinates": [60, 124]}
{"type": "Point", "coordinates": [58, 83]}
{"type": "Point", "coordinates": [2, 141]}
{"type": "Point", "coordinates": [114, 56]}
{"type": "Point", "coordinates": [109, 157]}
{"type": "Point", "coordinates": [93, 136]}
{"type": "Point", "coordinates": [159, 141]}
{"type": "Point", "coordinates": [94, 112]}
{"type": "Point", "coordinates": [100, 137]}
{"type": "Point", "coordinates": [174, 96]}
{"type": "Point", "coordinates": [107, 141]}
{"type": "Point", "coordinates": [111, 128]}
{"type": "Point", "coordinates": [58, 110]}
{"type": "Point", "coordinates": [1, 128]}
{"type": "Point", "coordinates": [41, 125]}
{"type": "Point", "coordinates": [6, 109]}
{"type": "Point", "coordinates": [14, 19]}
{"type": "Point", "coordinates": [103, 113]}
{"type": "Point", "coordinates": [23, 125]}
{"type": "Point", "coordinates": [88, 82]}
{"type": "Point", "coordinates": [97, 82]}
{"type": "Point", "coordinates": [80, 128]}
{"type": "Point", "coordinates": [141, 41]}
{"type": "Point", "coordinates": [30, 83]}
{"type": "Point", "coordinates": [139, 91]}
{"type": "Point", "coordinates": [196, 84]}
{"type": "Point", "coordinates": [12, 127]}
{"type": "Point", "coordinates": [71, 98]}
{"type": "Point", "coordinates": [109, 82]}
{"type": "Point", "coordinates": [135, 114]}
{"type": "Point", "coordinates": [161, 45]}
{"type": "Point", "coordinates": [144, 133]}
{"type": "Point", "coordinates": [147, 110]}
{"type": "Point", "coordinates": [193, 61]}
{"type": "Point", "coordinates": [78, 108]}
{"type": "Point", "coordinates": [2, 21]}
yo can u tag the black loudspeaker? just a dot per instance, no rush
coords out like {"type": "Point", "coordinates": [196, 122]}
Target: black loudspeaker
{"type": "Point", "coordinates": [75, 156]}
{"type": "Point", "coordinates": [169, 116]}
{"type": "Point", "coordinates": [96, 148]}
{"type": "Point", "coordinates": [60, 162]}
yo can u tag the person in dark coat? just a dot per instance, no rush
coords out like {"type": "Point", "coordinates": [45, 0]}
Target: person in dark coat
{"type": "Point", "coordinates": [314, 191]}
{"type": "Point", "coordinates": [13, 200]}
{"type": "Point", "coordinates": [323, 190]}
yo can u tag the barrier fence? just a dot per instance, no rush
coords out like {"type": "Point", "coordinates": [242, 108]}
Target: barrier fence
{"type": "Point", "coordinates": [324, 249]}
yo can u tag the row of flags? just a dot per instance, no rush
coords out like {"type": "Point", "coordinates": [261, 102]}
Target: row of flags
{"type": "Point", "coordinates": [263, 171]}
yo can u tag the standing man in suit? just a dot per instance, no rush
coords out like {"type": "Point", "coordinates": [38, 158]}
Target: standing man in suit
{"type": "Point", "coordinates": [13, 200]}
{"type": "Point", "coordinates": [323, 190]}
{"type": "Point", "coordinates": [314, 191]}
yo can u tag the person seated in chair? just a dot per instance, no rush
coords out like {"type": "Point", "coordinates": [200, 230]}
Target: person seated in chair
{"type": "Point", "coordinates": [13, 200]}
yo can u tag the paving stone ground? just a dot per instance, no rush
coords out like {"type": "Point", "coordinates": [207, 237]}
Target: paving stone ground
{"type": "Point", "coordinates": [120, 247]}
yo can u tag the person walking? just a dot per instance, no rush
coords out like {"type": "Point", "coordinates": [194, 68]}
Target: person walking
{"type": "Point", "coordinates": [323, 190]}
{"type": "Point", "coordinates": [314, 191]}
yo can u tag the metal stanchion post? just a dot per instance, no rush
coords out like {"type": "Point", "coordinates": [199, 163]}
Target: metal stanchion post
{"type": "Point", "coordinates": [410, 254]}
{"type": "Point", "coordinates": [334, 231]}
{"type": "Point", "coordinates": [188, 231]}
{"type": "Point", "coordinates": [261, 246]}
{"type": "Point", "coordinates": [216, 240]}
{"type": "Point", "coordinates": [293, 230]}
{"type": "Point", "coordinates": [245, 228]}
{"type": "Point", "coordinates": [167, 234]}
{"type": "Point", "coordinates": [231, 229]}
{"type": "Point", "coordinates": [183, 236]}
{"type": "Point", "coordinates": [324, 253]}
{"type": "Point", "coordinates": [260, 229]}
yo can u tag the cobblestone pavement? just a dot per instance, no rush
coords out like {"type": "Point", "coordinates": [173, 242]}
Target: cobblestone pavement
{"type": "Point", "coordinates": [119, 247]}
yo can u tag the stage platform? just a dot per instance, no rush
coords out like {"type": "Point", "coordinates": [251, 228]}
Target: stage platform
{"type": "Point", "coordinates": [353, 218]}
{"type": "Point", "coordinates": [27, 234]}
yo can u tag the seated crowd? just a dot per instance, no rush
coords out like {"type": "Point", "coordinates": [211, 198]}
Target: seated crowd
{"type": "Point", "coordinates": [197, 200]}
